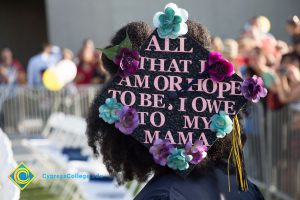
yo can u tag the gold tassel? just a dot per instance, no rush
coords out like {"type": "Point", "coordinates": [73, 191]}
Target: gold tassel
{"type": "Point", "coordinates": [236, 154]}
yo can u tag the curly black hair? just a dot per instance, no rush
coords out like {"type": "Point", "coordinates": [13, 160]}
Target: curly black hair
{"type": "Point", "coordinates": [124, 157]}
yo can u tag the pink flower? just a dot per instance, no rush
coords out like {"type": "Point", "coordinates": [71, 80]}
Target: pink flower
{"type": "Point", "coordinates": [218, 68]}
{"type": "Point", "coordinates": [160, 150]}
{"type": "Point", "coordinates": [197, 151]}
{"type": "Point", "coordinates": [213, 57]}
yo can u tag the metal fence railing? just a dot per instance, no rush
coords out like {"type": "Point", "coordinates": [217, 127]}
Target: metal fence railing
{"type": "Point", "coordinates": [272, 151]}
{"type": "Point", "coordinates": [25, 110]}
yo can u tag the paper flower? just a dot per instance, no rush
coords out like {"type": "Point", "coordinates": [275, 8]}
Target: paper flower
{"type": "Point", "coordinates": [128, 120]}
{"type": "Point", "coordinates": [160, 150]}
{"type": "Point", "coordinates": [218, 68]}
{"type": "Point", "coordinates": [108, 110]}
{"type": "Point", "coordinates": [197, 151]}
{"type": "Point", "coordinates": [172, 22]}
{"type": "Point", "coordinates": [128, 60]}
{"type": "Point", "coordinates": [221, 124]}
{"type": "Point", "coordinates": [253, 89]}
{"type": "Point", "coordinates": [178, 160]}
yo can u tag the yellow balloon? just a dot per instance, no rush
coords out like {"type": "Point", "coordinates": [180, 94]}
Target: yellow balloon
{"type": "Point", "coordinates": [265, 24]}
{"type": "Point", "coordinates": [51, 80]}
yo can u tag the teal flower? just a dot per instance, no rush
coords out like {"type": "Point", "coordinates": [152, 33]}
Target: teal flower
{"type": "Point", "coordinates": [108, 110]}
{"type": "Point", "coordinates": [172, 22]}
{"type": "Point", "coordinates": [178, 160]}
{"type": "Point", "coordinates": [221, 123]}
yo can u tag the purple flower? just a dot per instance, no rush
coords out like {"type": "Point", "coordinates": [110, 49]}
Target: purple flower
{"type": "Point", "coordinates": [253, 88]}
{"type": "Point", "coordinates": [129, 120]}
{"type": "Point", "coordinates": [197, 151]}
{"type": "Point", "coordinates": [128, 60]}
{"type": "Point", "coordinates": [160, 150]}
{"type": "Point", "coordinates": [218, 68]}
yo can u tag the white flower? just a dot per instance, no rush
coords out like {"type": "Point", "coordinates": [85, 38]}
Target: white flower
{"type": "Point", "coordinates": [172, 22]}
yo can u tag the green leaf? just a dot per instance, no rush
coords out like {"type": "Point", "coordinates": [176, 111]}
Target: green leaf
{"type": "Point", "coordinates": [110, 52]}
{"type": "Point", "coordinates": [126, 43]}
{"type": "Point", "coordinates": [113, 51]}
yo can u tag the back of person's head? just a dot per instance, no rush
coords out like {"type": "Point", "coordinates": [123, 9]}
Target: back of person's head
{"type": "Point", "coordinates": [293, 25]}
{"type": "Point", "coordinates": [293, 21]}
{"type": "Point", "coordinates": [67, 54]}
{"type": "Point", "coordinates": [246, 45]}
{"type": "Point", "coordinates": [291, 58]}
{"type": "Point", "coordinates": [46, 48]}
{"type": "Point", "coordinates": [255, 54]}
{"type": "Point", "coordinates": [217, 44]}
{"type": "Point", "coordinates": [231, 49]}
{"type": "Point", "coordinates": [125, 157]}
{"type": "Point", "coordinates": [88, 43]}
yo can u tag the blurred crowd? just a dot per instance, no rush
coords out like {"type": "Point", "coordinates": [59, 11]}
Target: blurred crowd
{"type": "Point", "coordinates": [273, 127]}
{"type": "Point", "coordinates": [88, 62]}
{"type": "Point", "coordinates": [255, 52]}
{"type": "Point", "coordinates": [258, 52]}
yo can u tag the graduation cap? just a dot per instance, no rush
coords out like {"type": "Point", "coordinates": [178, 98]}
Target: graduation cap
{"type": "Point", "coordinates": [175, 97]}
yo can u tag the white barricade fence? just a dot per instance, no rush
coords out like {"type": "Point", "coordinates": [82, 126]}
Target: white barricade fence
{"type": "Point", "coordinates": [272, 151]}
{"type": "Point", "coordinates": [25, 110]}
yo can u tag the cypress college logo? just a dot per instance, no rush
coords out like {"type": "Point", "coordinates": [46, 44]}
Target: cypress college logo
{"type": "Point", "coordinates": [22, 176]}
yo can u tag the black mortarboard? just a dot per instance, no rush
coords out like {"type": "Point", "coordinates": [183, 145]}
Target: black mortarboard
{"type": "Point", "coordinates": [173, 93]}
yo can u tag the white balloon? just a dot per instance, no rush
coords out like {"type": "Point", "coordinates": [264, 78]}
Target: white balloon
{"type": "Point", "coordinates": [65, 71]}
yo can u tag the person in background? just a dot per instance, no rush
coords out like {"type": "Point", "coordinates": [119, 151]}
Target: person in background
{"type": "Point", "coordinates": [282, 48]}
{"type": "Point", "coordinates": [11, 70]}
{"type": "Point", "coordinates": [87, 64]}
{"type": "Point", "coordinates": [289, 74]}
{"type": "Point", "coordinates": [252, 30]}
{"type": "Point", "coordinates": [293, 25]}
{"type": "Point", "coordinates": [126, 159]}
{"type": "Point", "coordinates": [101, 74]}
{"type": "Point", "coordinates": [217, 44]}
{"type": "Point", "coordinates": [230, 52]}
{"type": "Point", "coordinates": [258, 65]}
{"type": "Point", "coordinates": [67, 54]}
{"type": "Point", "coordinates": [38, 64]}
{"type": "Point", "coordinates": [56, 53]}
{"type": "Point", "coordinates": [296, 43]}
{"type": "Point", "coordinates": [245, 46]}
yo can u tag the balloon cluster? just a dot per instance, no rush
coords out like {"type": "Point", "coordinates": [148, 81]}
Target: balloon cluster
{"type": "Point", "coordinates": [56, 77]}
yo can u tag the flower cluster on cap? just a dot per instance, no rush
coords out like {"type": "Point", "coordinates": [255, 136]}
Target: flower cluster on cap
{"type": "Point", "coordinates": [166, 154]}
{"type": "Point", "coordinates": [125, 118]}
{"type": "Point", "coordinates": [123, 55]}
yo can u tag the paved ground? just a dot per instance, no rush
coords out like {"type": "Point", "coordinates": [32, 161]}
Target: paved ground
{"type": "Point", "coordinates": [34, 191]}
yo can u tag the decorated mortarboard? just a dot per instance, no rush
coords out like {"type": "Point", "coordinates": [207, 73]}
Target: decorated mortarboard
{"type": "Point", "coordinates": [175, 97]}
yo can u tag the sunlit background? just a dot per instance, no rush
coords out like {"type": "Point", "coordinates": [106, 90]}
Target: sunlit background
{"type": "Point", "coordinates": [43, 110]}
